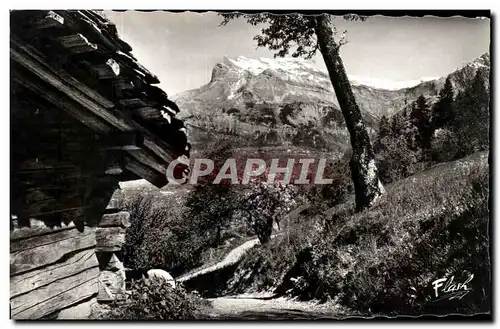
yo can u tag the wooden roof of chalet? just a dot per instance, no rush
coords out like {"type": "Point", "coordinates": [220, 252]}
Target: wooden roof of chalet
{"type": "Point", "coordinates": [75, 60]}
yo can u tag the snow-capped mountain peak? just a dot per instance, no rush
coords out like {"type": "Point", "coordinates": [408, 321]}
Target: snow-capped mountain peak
{"type": "Point", "coordinates": [301, 67]}
{"type": "Point", "coordinates": [292, 101]}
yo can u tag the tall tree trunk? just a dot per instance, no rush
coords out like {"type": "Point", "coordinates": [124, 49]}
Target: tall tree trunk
{"type": "Point", "coordinates": [367, 186]}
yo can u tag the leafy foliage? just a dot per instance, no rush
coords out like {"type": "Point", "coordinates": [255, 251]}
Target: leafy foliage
{"type": "Point", "coordinates": [421, 118]}
{"type": "Point", "coordinates": [471, 123]}
{"type": "Point", "coordinates": [456, 127]}
{"type": "Point", "coordinates": [444, 108]}
{"type": "Point", "coordinates": [212, 205]}
{"type": "Point", "coordinates": [154, 299]}
{"type": "Point", "coordinates": [266, 204]}
{"type": "Point", "coordinates": [160, 236]}
{"type": "Point", "coordinates": [323, 196]}
{"type": "Point", "coordinates": [286, 32]}
{"type": "Point", "coordinates": [398, 154]}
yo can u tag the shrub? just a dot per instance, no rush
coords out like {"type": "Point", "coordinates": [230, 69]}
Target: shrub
{"type": "Point", "coordinates": [154, 299]}
{"type": "Point", "coordinates": [265, 204]}
{"type": "Point", "coordinates": [326, 196]}
{"type": "Point", "coordinates": [161, 236]}
{"type": "Point", "coordinates": [263, 267]}
{"type": "Point", "coordinates": [444, 146]}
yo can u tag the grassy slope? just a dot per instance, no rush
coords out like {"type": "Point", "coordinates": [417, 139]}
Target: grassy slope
{"type": "Point", "coordinates": [383, 260]}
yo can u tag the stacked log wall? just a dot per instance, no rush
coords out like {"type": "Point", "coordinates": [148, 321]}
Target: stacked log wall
{"type": "Point", "coordinates": [62, 272]}
{"type": "Point", "coordinates": [51, 269]}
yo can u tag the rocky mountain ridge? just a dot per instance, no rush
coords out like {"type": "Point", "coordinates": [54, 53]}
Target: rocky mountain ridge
{"type": "Point", "coordinates": [291, 102]}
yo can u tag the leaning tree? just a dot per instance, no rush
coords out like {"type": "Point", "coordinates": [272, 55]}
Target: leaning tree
{"type": "Point", "coordinates": [305, 35]}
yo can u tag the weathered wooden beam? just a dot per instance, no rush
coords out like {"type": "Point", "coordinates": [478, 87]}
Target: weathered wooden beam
{"type": "Point", "coordinates": [131, 103]}
{"type": "Point", "coordinates": [80, 311]}
{"type": "Point", "coordinates": [96, 124]}
{"type": "Point", "coordinates": [114, 169]}
{"type": "Point", "coordinates": [109, 238]}
{"type": "Point", "coordinates": [108, 70]}
{"type": "Point", "coordinates": [129, 140]}
{"type": "Point", "coordinates": [33, 253]}
{"type": "Point", "coordinates": [36, 227]}
{"type": "Point", "coordinates": [160, 148]}
{"type": "Point", "coordinates": [116, 202]}
{"type": "Point", "coordinates": [79, 22]}
{"type": "Point", "coordinates": [38, 202]}
{"type": "Point", "coordinates": [120, 219]}
{"type": "Point", "coordinates": [76, 44]}
{"type": "Point", "coordinates": [37, 178]}
{"type": "Point", "coordinates": [137, 67]}
{"type": "Point", "coordinates": [50, 20]}
{"type": "Point", "coordinates": [111, 286]}
{"type": "Point", "coordinates": [46, 300]}
{"type": "Point", "coordinates": [65, 83]}
{"type": "Point", "coordinates": [32, 280]}
{"type": "Point", "coordinates": [148, 160]}
{"type": "Point", "coordinates": [62, 102]}
{"type": "Point", "coordinates": [86, 97]}
{"type": "Point", "coordinates": [122, 83]}
{"type": "Point", "coordinates": [147, 113]}
{"type": "Point", "coordinates": [156, 178]}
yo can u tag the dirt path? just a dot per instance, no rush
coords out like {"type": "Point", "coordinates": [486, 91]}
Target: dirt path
{"type": "Point", "coordinates": [236, 254]}
{"type": "Point", "coordinates": [231, 258]}
{"type": "Point", "coordinates": [248, 307]}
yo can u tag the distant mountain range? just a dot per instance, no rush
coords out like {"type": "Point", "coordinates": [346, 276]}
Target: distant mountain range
{"type": "Point", "coordinates": [290, 102]}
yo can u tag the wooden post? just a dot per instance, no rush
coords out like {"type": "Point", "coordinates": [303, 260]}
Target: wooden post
{"type": "Point", "coordinates": [110, 237]}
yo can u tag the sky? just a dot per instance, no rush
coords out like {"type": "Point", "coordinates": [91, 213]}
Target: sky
{"type": "Point", "coordinates": [182, 48]}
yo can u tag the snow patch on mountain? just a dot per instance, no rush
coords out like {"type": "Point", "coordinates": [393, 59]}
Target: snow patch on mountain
{"type": "Point", "coordinates": [301, 69]}
{"type": "Point", "coordinates": [387, 84]}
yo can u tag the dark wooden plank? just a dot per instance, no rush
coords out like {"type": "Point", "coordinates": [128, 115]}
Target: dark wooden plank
{"type": "Point", "coordinates": [133, 65]}
{"type": "Point", "coordinates": [81, 261]}
{"type": "Point", "coordinates": [109, 239]}
{"type": "Point", "coordinates": [108, 70]}
{"type": "Point", "coordinates": [148, 160]}
{"type": "Point", "coordinates": [38, 203]}
{"type": "Point", "coordinates": [66, 84]}
{"type": "Point", "coordinates": [147, 113]}
{"type": "Point", "coordinates": [116, 202]}
{"type": "Point", "coordinates": [50, 164]}
{"type": "Point", "coordinates": [61, 294]}
{"type": "Point", "coordinates": [129, 140]}
{"type": "Point", "coordinates": [156, 178]}
{"type": "Point", "coordinates": [37, 227]}
{"type": "Point", "coordinates": [76, 44]}
{"type": "Point", "coordinates": [50, 20]}
{"type": "Point", "coordinates": [131, 103]}
{"type": "Point", "coordinates": [37, 63]}
{"type": "Point", "coordinates": [81, 94]}
{"type": "Point", "coordinates": [33, 253]}
{"type": "Point", "coordinates": [121, 219]}
{"type": "Point", "coordinates": [62, 102]}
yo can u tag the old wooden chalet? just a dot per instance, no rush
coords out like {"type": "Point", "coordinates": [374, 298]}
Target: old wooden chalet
{"type": "Point", "coordinates": [85, 115]}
